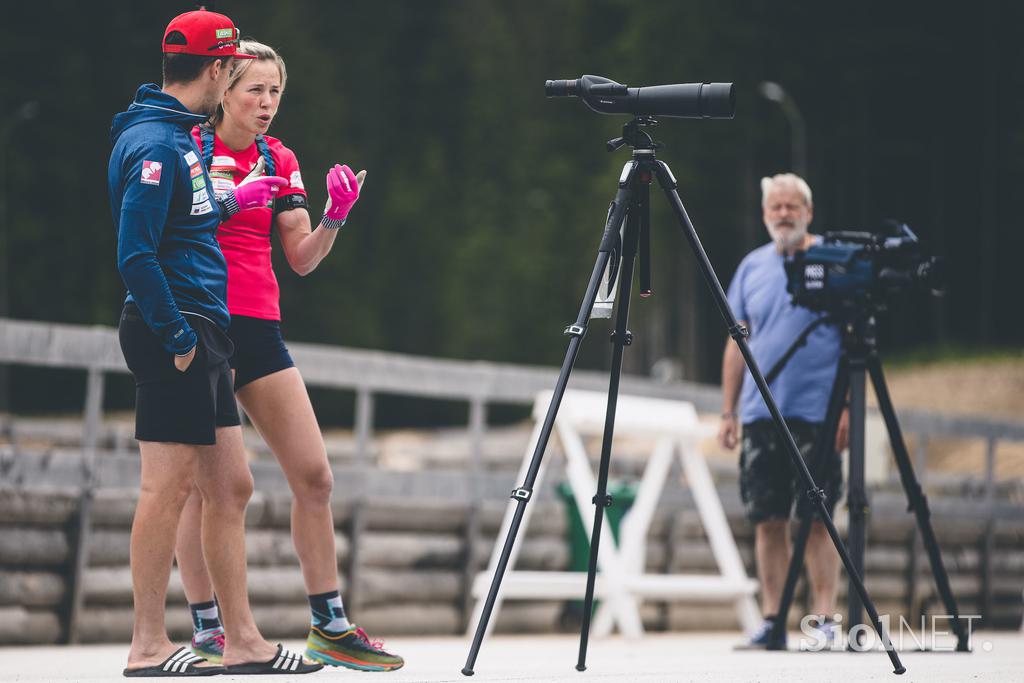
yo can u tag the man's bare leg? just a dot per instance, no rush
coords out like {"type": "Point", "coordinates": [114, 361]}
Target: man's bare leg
{"type": "Point", "coordinates": [822, 570]}
{"type": "Point", "coordinates": [167, 475]}
{"type": "Point", "coordinates": [279, 408]}
{"type": "Point", "coordinates": [223, 477]}
{"type": "Point", "coordinates": [189, 551]}
{"type": "Point", "coordinates": [772, 549]}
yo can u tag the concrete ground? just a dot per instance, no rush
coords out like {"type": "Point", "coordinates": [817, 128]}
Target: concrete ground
{"type": "Point", "coordinates": [661, 657]}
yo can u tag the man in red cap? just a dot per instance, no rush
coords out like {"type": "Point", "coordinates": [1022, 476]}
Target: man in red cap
{"type": "Point", "coordinates": [173, 334]}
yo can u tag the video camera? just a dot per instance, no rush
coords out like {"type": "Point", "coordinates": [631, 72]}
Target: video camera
{"type": "Point", "coordinates": [857, 270]}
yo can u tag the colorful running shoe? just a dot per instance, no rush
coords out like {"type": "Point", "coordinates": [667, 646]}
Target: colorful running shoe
{"type": "Point", "coordinates": [209, 645]}
{"type": "Point", "coordinates": [352, 649]}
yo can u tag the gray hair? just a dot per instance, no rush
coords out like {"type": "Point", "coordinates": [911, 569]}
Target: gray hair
{"type": "Point", "coordinates": [785, 180]}
{"type": "Point", "coordinates": [263, 53]}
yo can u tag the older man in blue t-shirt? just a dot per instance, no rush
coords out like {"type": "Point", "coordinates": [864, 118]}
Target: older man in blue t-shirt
{"type": "Point", "coordinates": [769, 483]}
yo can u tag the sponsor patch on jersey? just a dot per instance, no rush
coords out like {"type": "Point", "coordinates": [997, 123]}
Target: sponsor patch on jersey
{"type": "Point", "coordinates": [223, 161]}
{"type": "Point", "coordinates": [296, 180]}
{"type": "Point", "coordinates": [198, 183]}
{"type": "Point", "coordinates": [151, 172]}
{"type": "Point", "coordinates": [199, 196]}
{"type": "Point", "coordinates": [191, 158]}
{"type": "Point", "coordinates": [195, 170]}
{"type": "Point", "coordinates": [200, 209]}
{"type": "Point", "coordinates": [222, 185]}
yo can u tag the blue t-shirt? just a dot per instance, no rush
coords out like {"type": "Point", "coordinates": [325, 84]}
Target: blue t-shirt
{"type": "Point", "coordinates": [758, 297]}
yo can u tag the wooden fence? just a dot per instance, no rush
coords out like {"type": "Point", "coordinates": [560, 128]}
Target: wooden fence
{"type": "Point", "coordinates": [409, 543]}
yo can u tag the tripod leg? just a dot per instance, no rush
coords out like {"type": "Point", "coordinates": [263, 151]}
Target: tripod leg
{"type": "Point", "coordinates": [522, 495]}
{"type": "Point", "coordinates": [820, 466]}
{"type": "Point", "coordinates": [916, 500]}
{"type": "Point", "coordinates": [620, 339]}
{"type": "Point", "coordinates": [856, 499]}
{"type": "Point", "coordinates": [738, 333]}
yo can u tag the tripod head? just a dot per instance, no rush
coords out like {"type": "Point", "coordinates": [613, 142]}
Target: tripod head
{"type": "Point", "coordinates": [858, 331]}
{"type": "Point", "coordinates": [634, 136]}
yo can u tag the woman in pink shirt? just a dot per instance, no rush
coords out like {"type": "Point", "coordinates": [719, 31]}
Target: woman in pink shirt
{"type": "Point", "coordinates": [236, 151]}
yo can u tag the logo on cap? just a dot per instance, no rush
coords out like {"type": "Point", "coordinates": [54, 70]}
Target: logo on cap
{"type": "Point", "coordinates": [203, 33]}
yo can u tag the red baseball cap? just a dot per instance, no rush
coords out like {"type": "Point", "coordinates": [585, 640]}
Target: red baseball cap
{"type": "Point", "coordinates": [205, 33]}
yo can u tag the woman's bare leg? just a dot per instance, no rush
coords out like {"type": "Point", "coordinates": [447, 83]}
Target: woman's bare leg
{"type": "Point", "coordinates": [279, 408]}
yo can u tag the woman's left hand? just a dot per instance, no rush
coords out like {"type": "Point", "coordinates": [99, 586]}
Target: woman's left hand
{"type": "Point", "coordinates": [343, 188]}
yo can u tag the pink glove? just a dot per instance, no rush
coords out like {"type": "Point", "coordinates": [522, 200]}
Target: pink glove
{"type": "Point", "coordinates": [252, 194]}
{"type": "Point", "coordinates": [342, 191]}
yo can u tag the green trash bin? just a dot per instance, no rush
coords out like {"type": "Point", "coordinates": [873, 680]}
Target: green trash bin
{"type": "Point", "coordinates": [623, 494]}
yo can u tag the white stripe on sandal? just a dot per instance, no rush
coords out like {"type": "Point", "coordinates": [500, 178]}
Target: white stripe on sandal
{"type": "Point", "coordinates": [287, 661]}
{"type": "Point", "coordinates": [180, 661]}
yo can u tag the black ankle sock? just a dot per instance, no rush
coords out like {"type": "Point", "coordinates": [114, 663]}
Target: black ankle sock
{"type": "Point", "coordinates": [328, 612]}
{"type": "Point", "coordinates": [204, 615]}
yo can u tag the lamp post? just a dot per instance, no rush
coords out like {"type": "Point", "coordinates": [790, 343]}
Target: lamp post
{"type": "Point", "coordinates": [798, 130]}
{"type": "Point", "coordinates": [26, 112]}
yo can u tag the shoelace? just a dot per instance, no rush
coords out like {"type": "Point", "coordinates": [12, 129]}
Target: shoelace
{"type": "Point", "coordinates": [217, 638]}
{"type": "Point", "coordinates": [375, 644]}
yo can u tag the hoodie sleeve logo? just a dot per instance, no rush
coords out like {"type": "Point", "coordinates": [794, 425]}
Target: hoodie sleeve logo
{"type": "Point", "coordinates": [151, 172]}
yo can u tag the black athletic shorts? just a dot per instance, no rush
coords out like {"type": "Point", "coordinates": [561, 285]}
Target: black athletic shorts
{"type": "Point", "coordinates": [770, 483]}
{"type": "Point", "coordinates": [173, 406]}
{"type": "Point", "coordinates": [259, 349]}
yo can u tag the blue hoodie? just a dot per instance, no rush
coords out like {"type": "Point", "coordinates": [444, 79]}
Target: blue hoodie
{"type": "Point", "coordinates": [166, 218]}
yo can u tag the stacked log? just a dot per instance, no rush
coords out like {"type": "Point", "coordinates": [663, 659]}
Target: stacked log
{"type": "Point", "coordinates": [414, 558]}
{"type": "Point", "coordinates": [34, 554]}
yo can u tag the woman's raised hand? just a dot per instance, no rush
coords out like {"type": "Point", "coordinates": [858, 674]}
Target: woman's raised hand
{"type": "Point", "coordinates": [342, 191]}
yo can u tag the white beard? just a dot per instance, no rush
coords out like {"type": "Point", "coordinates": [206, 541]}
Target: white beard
{"type": "Point", "coordinates": [793, 238]}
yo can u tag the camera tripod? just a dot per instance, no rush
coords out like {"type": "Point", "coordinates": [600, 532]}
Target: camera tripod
{"type": "Point", "coordinates": [860, 355]}
{"type": "Point", "coordinates": [627, 232]}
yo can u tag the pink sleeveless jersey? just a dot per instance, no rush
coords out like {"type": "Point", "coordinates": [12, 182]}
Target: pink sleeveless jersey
{"type": "Point", "coordinates": [245, 237]}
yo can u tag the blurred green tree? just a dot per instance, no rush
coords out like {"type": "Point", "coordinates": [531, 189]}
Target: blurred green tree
{"type": "Point", "coordinates": [484, 202]}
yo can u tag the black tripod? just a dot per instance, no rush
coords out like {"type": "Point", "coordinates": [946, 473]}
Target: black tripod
{"type": "Point", "coordinates": [630, 213]}
{"type": "Point", "coordinates": [860, 355]}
